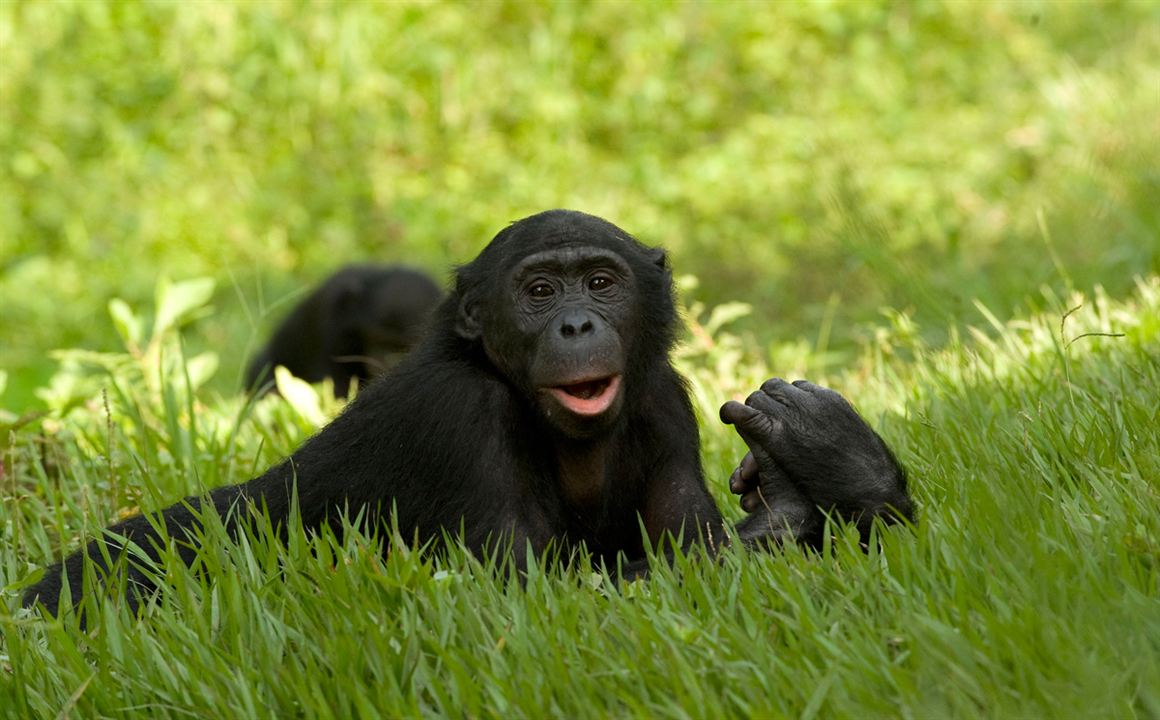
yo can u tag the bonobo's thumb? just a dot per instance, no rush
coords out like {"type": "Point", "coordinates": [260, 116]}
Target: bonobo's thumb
{"type": "Point", "coordinates": [734, 413]}
{"type": "Point", "coordinates": [755, 428]}
{"type": "Point", "coordinates": [751, 424]}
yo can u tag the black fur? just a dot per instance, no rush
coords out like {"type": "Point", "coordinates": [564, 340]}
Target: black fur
{"type": "Point", "coordinates": [352, 326]}
{"type": "Point", "coordinates": [485, 426]}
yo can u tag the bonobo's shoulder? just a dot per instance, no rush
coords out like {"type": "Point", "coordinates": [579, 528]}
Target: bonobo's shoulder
{"type": "Point", "coordinates": [437, 405]}
{"type": "Point", "coordinates": [430, 377]}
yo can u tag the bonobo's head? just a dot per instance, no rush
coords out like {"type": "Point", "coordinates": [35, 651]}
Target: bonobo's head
{"type": "Point", "coordinates": [395, 311]}
{"type": "Point", "coordinates": [377, 313]}
{"type": "Point", "coordinates": [573, 312]}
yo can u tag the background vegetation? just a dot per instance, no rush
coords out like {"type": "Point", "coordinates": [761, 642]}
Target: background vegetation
{"type": "Point", "coordinates": [816, 160]}
{"type": "Point", "coordinates": [910, 196]}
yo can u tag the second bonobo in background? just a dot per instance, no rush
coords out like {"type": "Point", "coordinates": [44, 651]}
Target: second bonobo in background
{"type": "Point", "coordinates": [354, 325]}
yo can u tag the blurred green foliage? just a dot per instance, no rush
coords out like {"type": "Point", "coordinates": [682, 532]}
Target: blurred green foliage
{"type": "Point", "coordinates": [819, 160]}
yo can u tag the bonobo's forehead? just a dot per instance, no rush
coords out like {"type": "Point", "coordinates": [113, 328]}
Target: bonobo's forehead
{"type": "Point", "coordinates": [570, 259]}
{"type": "Point", "coordinates": [556, 229]}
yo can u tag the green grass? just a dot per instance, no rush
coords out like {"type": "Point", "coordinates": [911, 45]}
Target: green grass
{"type": "Point", "coordinates": [1027, 589]}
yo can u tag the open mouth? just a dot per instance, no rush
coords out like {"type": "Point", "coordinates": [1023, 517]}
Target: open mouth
{"type": "Point", "coordinates": [590, 397]}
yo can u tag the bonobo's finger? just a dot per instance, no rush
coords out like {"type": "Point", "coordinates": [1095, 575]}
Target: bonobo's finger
{"type": "Point", "coordinates": [744, 478]}
{"type": "Point", "coordinates": [774, 487]}
{"type": "Point", "coordinates": [761, 431]}
{"type": "Point", "coordinates": [762, 401]}
{"type": "Point", "coordinates": [733, 413]}
{"type": "Point", "coordinates": [819, 392]}
{"type": "Point", "coordinates": [782, 391]}
{"type": "Point", "coordinates": [753, 501]}
{"type": "Point", "coordinates": [807, 386]}
{"type": "Point", "coordinates": [780, 387]}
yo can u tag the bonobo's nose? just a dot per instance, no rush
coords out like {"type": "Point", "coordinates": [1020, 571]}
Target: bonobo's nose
{"type": "Point", "coordinates": [575, 323]}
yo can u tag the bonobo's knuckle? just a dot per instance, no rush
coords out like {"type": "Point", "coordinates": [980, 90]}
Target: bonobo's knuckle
{"type": "Point", "coordinates": [772, 385]}
{"type": "Point", "coordinates": [786, 394]}
{"type": "Point", "coordinates": [748, 467]}
{"type": "Point", "coordinates": [744, 477]}
{"type": "Point", "coordinates": [760, 425]}
{"type": "Point", "coordinates": [833, 396]}
{"type": "Point", "coordinates": [752, 501]}
{"type": "Point", "coordinates": [738, 482]}
{"type": "Point", "coordinates": [762, 402]}
{"type": "Point", "coordinates": [809, 387]}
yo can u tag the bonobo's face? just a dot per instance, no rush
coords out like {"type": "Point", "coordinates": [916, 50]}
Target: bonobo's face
{"type": "Point", "coordinates": [561, 321]}
{"type": "Point", "coordinates": [573, 312]}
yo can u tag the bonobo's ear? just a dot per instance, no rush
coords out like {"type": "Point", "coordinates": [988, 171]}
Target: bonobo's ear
{"type": "Point", "coordinates": [468, 321]}
{"type": "Point", "coordinates": [659, 258]}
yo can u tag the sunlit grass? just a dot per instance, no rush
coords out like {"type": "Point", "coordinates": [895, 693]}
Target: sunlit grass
{"type": "Point", "coordinates": [1028, 587]}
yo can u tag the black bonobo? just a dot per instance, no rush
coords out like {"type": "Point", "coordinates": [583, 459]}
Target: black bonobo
{"type": "Point", "coordinates": [355, 325]}
{"type": "Point", "coordinates": [541, 410]}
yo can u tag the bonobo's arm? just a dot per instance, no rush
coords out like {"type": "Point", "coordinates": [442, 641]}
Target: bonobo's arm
{"type": "Point", "coordinates": [679, 505]}
{"type": "Point", "coordinates": [139, 531]}
{"type": "Point", "coordinates": [810, 452]}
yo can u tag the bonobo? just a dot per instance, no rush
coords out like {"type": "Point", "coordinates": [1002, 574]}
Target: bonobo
{"type": "Point", "coordinates": [541, 409]}
{"type": "Point", "coordinates": [352, 326]}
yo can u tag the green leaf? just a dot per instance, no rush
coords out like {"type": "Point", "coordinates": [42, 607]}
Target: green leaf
{"type": "Point", "coordinates": [201, 368]}
{"type": "Point", "coordinates": [128, 325]}
{"type": "Point", "coordinates": [726, 313]}
{"type": "Point", "coordinates": [301, 396]}
{"type": "Point", "coordinates": [178, 302]}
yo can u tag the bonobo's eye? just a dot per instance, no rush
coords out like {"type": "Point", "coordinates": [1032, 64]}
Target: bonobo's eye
{"type": "Point", "coordinates": [596, 283]}
{"type": "Point", "coordinates": [541, 290]}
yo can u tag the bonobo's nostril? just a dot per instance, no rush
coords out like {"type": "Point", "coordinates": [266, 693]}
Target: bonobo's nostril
{"type": "Point", "coordinates": [573, 324]}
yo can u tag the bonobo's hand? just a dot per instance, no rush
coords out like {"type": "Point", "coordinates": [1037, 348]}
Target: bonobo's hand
{"type": "Point", "coordinates": [810, 449]}
{"type": "Point", "coordinates": [779, 511]}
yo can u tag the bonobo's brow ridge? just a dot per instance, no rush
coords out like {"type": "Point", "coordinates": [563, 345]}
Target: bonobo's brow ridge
{"type": "Point", "coordinates": [569, 258]}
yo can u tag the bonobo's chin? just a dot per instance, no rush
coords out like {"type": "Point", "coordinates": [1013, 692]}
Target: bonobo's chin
{"type": "Point", "coordinates": [583, 408]}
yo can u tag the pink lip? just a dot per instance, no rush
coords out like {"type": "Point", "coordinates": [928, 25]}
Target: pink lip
{"type": "Point", "coordinates": [588, 406]}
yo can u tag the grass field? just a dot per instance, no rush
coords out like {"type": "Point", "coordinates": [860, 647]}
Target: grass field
{"type": "Point", "coordinates": [1029, 587]}
{"type": "Point", "coordinates": [948, 212]}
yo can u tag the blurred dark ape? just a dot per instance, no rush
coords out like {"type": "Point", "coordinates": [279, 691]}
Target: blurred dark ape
{"type": "Point", "coordinates": [541, 411]}
{"type": "Point", "coordinates": [358, 323]}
